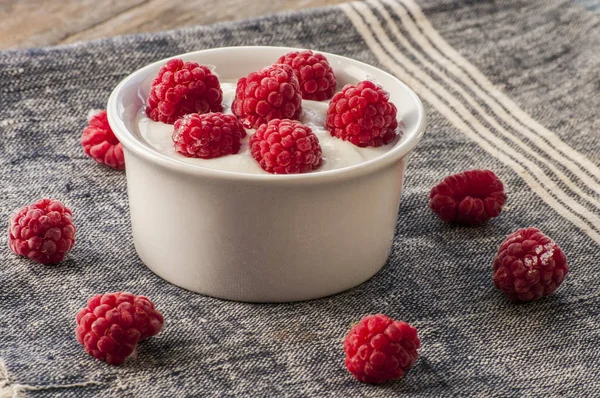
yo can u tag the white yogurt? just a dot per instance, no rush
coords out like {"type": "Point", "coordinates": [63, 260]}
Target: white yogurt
{"type": "Point", "coordinates": [337, 153]}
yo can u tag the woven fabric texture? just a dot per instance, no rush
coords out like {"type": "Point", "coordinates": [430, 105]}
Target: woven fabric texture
{"type": "Point", "coordinates": [512, 86]}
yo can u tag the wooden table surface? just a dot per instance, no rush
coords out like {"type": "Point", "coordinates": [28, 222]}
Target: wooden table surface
{"type": "Point", "coordinates": [35, 23]}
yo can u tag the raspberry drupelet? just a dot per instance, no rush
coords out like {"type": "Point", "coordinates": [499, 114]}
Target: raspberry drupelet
{"type": "Point", "coordinates": [471, 197]}
{"type": "Point", "coordinates": [363, 115]}
{"type": "Point", "coordinates": [286, 147]}
{"type": "Point", "coordinates": [529, 265]}
{"type": "Point", "coordinates": [100, 143]}
{"type": "Point", "coordinates": [181, 88]}
{"type": "Point", "coordinates": [316, 78]}
{"type": "Point", "coordinates": [42, 231]}
{"type": "Point", "coordinates": [207, 136]}
{"type": "Point", "coordinates": [112, 324]}
{"type": "Point", "coordinates": [270, 93]}
{"type": "Point", "coordinates": [379, 349]}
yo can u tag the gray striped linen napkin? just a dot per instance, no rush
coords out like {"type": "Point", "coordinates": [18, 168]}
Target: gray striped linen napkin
{"type": "Point", "coordinates": [511, 86]}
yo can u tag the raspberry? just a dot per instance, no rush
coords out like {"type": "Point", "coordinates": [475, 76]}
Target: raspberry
{"type": "Point", "coordinates": [379, 349]}
{"type": "Point", "coordinates": [529, 265]}
{"type": "Point", "coordinates": [208, 136]}
{"type": "Point", "coordinates": [471, 197]}
{"type": "Point", "coordinates": [271, 93]}
{"type": "Point", "coordinates": [286, 147]}
{"type": "Point", "coordinates": [42, 231]}
{"type": "Point", "coordinates": [111, 325]}
{"type": "Point", "coordinates": [182, 88]}
{"type": "Point", "coordinates": [363, 115]}
{"type": "Point", "coordinates": [99, 142]}
{"type": "Point", "coordinates": [316, 78]}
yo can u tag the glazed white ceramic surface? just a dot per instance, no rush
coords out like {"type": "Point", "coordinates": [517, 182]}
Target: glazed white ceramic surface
{"type": "Point", "coordinates": [257, 237]}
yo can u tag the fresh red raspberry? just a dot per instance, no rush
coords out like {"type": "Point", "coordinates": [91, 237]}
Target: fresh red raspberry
{"type": "Point", "coordinates": [363, 115]}
{"type": "Point", "coordinates": [286, 147]}
{"type": "Point", "coordinates": [529, 265]}
{"type": "Point", "coordinates": [471, 197]}
{"type": "Point", "coordinates": [99, 142]}
{"type": "Point", "coordinates": [111, 325]}
{"type": "Point", "coordinates": [207, 136]}
{"type": "Point", "coordinates": [379, 349]}
{"type": "Point", "coordinates": [42, 231]}
{"type": "Point", "coordinates": [317, 81]}
{"type": "Point", "coordinates": [271, 93]}
{"type": "Point", "coordinates": [182, 88]}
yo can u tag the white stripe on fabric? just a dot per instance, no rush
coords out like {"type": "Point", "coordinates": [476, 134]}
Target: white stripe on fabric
{"type": "Point", "coordinates": [475, 77]}
{"type": "Point", "coordinates": [472, 101]}
{"type": "Point", "coordinates": [430, 97]}
{"type": "Point", "coordinates": [463, 112]}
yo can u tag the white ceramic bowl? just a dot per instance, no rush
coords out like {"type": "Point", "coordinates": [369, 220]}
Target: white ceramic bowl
{"type": "Point", "coordinates": [257, 237]}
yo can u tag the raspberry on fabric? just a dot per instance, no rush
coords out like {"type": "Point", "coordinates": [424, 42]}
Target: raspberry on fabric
{"type": "Point", "coordinates": [363, 115]}
{"type": "Point", "coordinates": [100, 143]}
{"type": "Point", "coordinates": [471, 197]}
{"type": "Point", "coordinates": [182, 88]}
{"type": "Point", "coordinates": [529, 265]}
{"type": "Point", "coordinates": [42, 231]}
{"type": "Point", "coordinates": [316, 78]}
{"type": "Point", "coordinates": [286, 147]}
{"type": "Point", "coordinates": [379, 349]}
{"type": "Point", "coordinates": [270, 93]}
{"type": "Point", "coordinates": [112, 324]}
{"type": "Point", "coordinates": [207, 136]}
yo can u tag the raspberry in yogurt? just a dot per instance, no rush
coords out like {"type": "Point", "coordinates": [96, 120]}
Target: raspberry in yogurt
{"type": "Point", "coordinates": [337, 152]}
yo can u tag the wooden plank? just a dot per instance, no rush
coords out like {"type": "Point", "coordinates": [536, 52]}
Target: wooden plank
{"type": "Point", "coordinates": [33, 23]}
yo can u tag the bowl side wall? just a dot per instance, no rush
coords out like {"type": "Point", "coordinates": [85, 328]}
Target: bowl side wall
{"type": "Point", "coordinates": [240, 241]}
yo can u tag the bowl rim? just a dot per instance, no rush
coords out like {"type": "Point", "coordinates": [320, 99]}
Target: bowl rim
{"type": "Point", "coordinates": [133, 144]}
